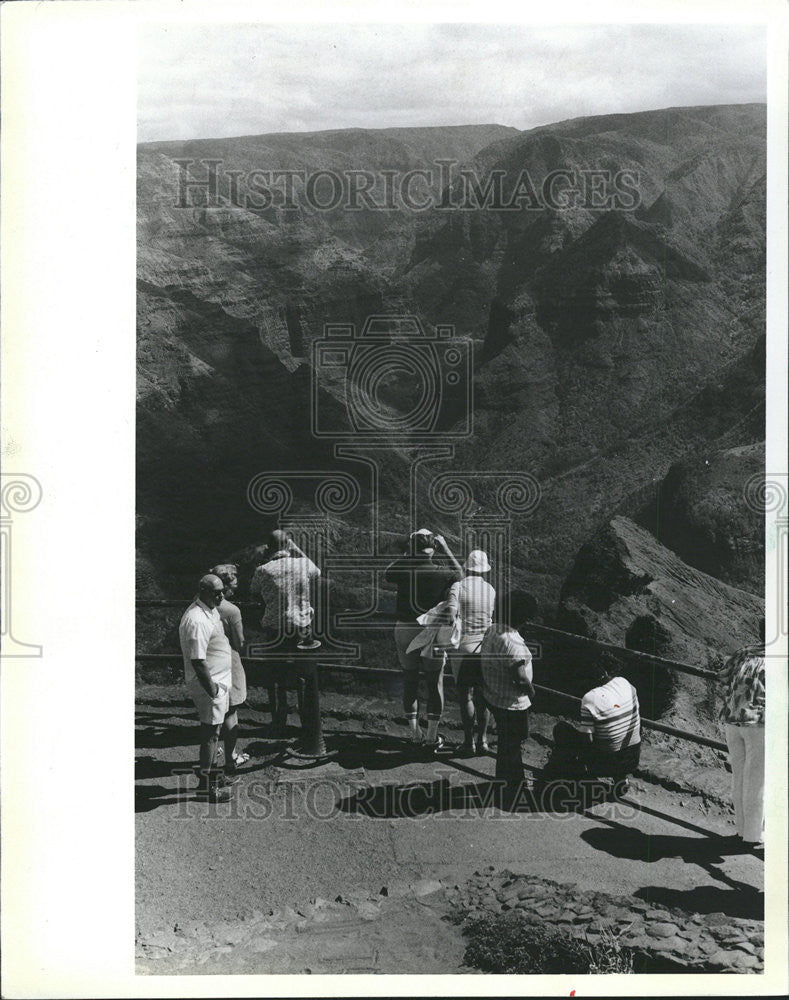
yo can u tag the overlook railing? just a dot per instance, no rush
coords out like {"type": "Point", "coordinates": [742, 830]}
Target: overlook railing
{"type": "Point", "coordinates": [532, 627]}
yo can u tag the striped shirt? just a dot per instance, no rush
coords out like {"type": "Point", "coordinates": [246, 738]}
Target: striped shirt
{"type": "Point", "coordinates": [503, 648]}
{"type": "Point", "coordinates": [610, 714]}
{"type": "Point", "coordinates": [742, 679]}
{"type": "Point", "coordinates": [473, 598]}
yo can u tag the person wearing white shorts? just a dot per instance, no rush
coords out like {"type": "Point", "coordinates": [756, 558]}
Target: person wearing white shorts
{"type": "Point", "coordinates": [234, 630]}
{"type": "Point", "coordinates": [208, 675]}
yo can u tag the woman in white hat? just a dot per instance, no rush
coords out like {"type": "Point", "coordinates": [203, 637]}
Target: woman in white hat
{"type": "Point", "coordinates": [473, 600]}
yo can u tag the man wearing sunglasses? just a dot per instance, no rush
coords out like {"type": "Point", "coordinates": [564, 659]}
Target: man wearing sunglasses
{"type": "Point", "coordinates": [208, 675]}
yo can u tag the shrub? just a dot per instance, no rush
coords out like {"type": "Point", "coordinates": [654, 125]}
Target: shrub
{"type": "Point", "coordinates": [511, 944]}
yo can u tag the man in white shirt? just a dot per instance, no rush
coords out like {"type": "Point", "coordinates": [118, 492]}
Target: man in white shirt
{"type": "Point", "coordinates": [607, 743]}
{"type": "Point", "coordinates": [208, 675]}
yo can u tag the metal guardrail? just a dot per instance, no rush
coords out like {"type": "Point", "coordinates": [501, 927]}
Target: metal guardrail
{"type": "Point", "coordinates": [389, 672]}
{"type": "Point", "coordinates": [572, 637]}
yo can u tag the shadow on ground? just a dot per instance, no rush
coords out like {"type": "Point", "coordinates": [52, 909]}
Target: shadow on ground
{"type": "Point", "coordinates": [744, 902]}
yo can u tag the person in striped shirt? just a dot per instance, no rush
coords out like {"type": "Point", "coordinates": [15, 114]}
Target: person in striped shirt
{"type": "Point", "coordinates": [607, 743]}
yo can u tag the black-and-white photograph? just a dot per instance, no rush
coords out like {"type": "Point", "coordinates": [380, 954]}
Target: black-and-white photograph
{"type": "Point", "coordinates": [459, 550]}
{"type": "Point", "coordinates": [450, 510]}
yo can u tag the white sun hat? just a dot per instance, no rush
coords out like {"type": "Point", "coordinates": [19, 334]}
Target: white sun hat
{"type": "Point", "coordinates": [477, 562]}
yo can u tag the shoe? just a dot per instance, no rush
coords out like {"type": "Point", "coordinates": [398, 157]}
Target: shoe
{"type": "Point", "coordinates": [482, 748]}
{"type": "Point", "coordinates": [465, 750]}
{"type": "Point", "coordinates": [619, 789]}
{"type": "Point", "coordinates": [219, 794]}
{"type": "Point", "coordinates": [240, 758]}
{"type": "Point", "coordinates": [227, 779]}
{"type": "Point", "coordinates": [235, 766]}
{"type": "Point", "coordinates": [435, 746]}
{"type": "Point", "coordinates": [215, 792]}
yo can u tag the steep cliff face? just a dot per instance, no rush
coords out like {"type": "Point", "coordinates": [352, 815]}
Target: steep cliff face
{"type": "Point", "coordinates": [623, 574]}
{"type": "Point", "coordinates": [706, 511]}
{"type": "Point", "coordinates": [611, 340]}
{"type": "Point", "coordinates": [627, 589]}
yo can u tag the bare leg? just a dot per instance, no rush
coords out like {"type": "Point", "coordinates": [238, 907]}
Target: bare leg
{"type": "Point", "coordinates": [483, 714]}
{"type": "Point", "coordinates": [435, 702]}
{"type": "Point", "coordinates": [209, 738]}
{"type": "Point", "coordinates": [230, 734]}
{"type": "Point", "coordinates": [467, 712]}
{"type": "Point", "coordinates": [410, 691]}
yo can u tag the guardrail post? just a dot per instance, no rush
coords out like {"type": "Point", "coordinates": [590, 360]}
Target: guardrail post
{"type": "Point", "coordinates": [311, 744]}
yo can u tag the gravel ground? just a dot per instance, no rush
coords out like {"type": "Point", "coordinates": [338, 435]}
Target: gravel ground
{"type": "Point", "coordinates": [375, 817]}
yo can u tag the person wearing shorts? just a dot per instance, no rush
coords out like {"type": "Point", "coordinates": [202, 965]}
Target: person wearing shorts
{"type": "Point", "coordinates": [234, 630]}
{"type": "Point", "coordinates": [473, 600]}
{"type": "Point", "coordinates": [208, 676]}
{"type": "Point", "coordinates": [422, 582]}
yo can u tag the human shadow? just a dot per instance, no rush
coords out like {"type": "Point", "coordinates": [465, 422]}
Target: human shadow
{"type": "Point", "coordinates": [167, 703]}
{"type": "Point", "coordinates": [376, 752]}
{"type": "Point", "coordinates": [372, 752]}
{"type": "Point", "coordinates": [747, 901]}
{"type": "Point", "coordinates": [147, 767]}
{"type": "Point", "coordinates": [633, 844]}
{"type": "Point", "coordinates": [149, 797]}
{"type": "Point", "coordinates": [704, 852]}
{"type": "Point", "coordinates": [421, 798]}
{"type": "Point", "coordinates": [169, 734]}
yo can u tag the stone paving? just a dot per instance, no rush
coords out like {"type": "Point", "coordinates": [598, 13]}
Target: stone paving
{"type": "Point", "coordinates": [422, 923]}
{"type": "Point", "coordinates": [703, 942]}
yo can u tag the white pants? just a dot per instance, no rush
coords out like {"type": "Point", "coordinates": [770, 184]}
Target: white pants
{"type": "Point", "coordinates": [746, 755]}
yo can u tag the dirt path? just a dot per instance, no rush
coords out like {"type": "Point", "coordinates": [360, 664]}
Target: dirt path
{"type": "Point", "coordinates": [375, 818]}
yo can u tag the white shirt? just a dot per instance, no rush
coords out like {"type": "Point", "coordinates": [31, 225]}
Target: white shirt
{"type": "Point", "coordinates": [203, 637]}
